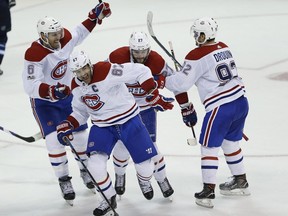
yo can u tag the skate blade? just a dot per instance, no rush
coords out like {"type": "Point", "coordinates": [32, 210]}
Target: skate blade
{"type": "Point", "coordinates": [93, 190]}
{"type": "Point", "coordinates": [236, 192]}
{"type": "Point", "coordinates": [207, 203]}
{"type": "Point", "coordinates": [119, 197]}
{"type": "Point", "coordinates": [110, 213]}
{"type": "Point", "coordinates": [170, 198]}
{"type": "Point", "coordinates": [70, 202]}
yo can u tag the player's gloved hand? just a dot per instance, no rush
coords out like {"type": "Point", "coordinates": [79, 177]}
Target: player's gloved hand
{"type": "Point", "coordinates": [189, 114]}
{"type": "Point", "coordinates": [59, 91]}
{"type": "Point", "coordinates": [160, 80]}
{"type": "Point", "coordinates": [64, 130]}
{"type": "Point", "coordinates": [159, 102]}
{"type": "Point", "coordinates": [98, 13]}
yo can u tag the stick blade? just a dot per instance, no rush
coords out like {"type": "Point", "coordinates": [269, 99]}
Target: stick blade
{"type": "Point", "coordinates": [191, 141]}
{"type": "Point", "coordinates": [149, 23]}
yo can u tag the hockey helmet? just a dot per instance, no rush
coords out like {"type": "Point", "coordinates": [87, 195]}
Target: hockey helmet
{"type": "Point", "coordinates": [205, 25]}
{"type": "Point", "coordinates": [78, 60]}
{"type": "Point", "coordinates": [139, 46]}
{"type": "Point", "coordinates": [49, 25]}
{"type": "Point", "coordinates": [139, 41]}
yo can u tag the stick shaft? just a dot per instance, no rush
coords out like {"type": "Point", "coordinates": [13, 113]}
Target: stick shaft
{"type": "Point", "coordinates": [29, 139]}
{"type": "Point", "coordinates": [67, 141]}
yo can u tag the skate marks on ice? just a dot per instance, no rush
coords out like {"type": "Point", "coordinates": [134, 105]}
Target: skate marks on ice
{"type": "Point", "coordinates": [279, 76]}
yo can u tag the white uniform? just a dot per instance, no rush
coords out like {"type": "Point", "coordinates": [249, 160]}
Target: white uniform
{"type": "Point", "coordinates": [46, 67]}
{"type": "Point", "coordinates": [212, 69]}
{"type": "Point", "coordinates": [43, 65]}
{"type": "Point", "coordinates": [106, 99]}
{"type": "Point", "coordinates": [114, 115]}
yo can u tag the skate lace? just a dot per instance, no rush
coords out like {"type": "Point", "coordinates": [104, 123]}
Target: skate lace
{"type": "Point", "coordinates": [85, 176]}
{"type": "Point", "coordinates": [145, 186]}
{"type": "Point", "coordinates": [164, 185]}
{"type": "Point", "coordinates": [231, 181]}
{"type": "Point", "coordinates": [120, 179]}
{"type": "Point", "coordinates": [66, 187]}
{"type": "Point", "coordinates": [103, 205]}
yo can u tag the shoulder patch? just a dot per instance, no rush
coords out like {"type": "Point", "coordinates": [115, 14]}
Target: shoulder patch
{"type": "Point", "coordinates": [100, 71]}
{"type": "Point", "coordinates": [120, 55]}
{"type": "Point", "coordinates": [200, 52]}
{"type": "Point", "coordinates": [66, 39]}
{"type": "Point", "coordinates": [155, 62]}
{"type": "Point", "coordinates": [36, 52]}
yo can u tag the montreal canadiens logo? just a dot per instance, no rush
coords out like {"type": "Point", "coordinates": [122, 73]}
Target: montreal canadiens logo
{"type": "Point", "coordinates": [93, 102]}
{"type": "Point", "coordinates": [59, 71]}
{"type": "Point", "coordinates": [136, 90]}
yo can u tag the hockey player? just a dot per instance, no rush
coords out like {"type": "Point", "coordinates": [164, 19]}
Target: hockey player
{"type": "Point", "coordinates": [99, 92]}
{"type": "Point", "coordinates": [5, 26]}
{"type": "Point", "coordinates": [47, 82]}
{"type": "Point", "coordinates": [211, 67]}
{"type": "Point", "coordinates": [139, 51]}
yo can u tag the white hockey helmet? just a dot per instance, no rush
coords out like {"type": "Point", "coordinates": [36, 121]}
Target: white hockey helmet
{"type": "Point", "coordinates": [78, 60]}
{"type": "Point", "coordinates": [205, 25]}
{"type": "Point", "coordinates": [139, 41]}
{"type": "Point", "coordinates": [49, 25]}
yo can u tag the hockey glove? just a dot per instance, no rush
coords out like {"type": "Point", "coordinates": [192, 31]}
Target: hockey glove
{"type": "Point", "coordinates": [59, 91]}
{"type": "Point", "coordinates": [160, 80]}
{"type": "Point", "coordinates": [64, 129]}
{"type": "Point", "coordinates": [159, 102]}
{"type": "Point", "coordinates": [98, 13]}
{"type": "Point", "coordinates": [189, 114]}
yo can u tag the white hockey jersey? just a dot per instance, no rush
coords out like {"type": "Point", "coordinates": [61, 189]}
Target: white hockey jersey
{"type": "Point", "coordinates": [43, 65]}
{"type": "Point", "coordinates": [106, 100]}
{"type": "Point", "coordinates": [155, 62]}
{"type": "Point", "coordinates": [213, 70]}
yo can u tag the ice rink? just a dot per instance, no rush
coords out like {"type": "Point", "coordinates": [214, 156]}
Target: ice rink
{"type": "Point", "coordinates": [257, 33]}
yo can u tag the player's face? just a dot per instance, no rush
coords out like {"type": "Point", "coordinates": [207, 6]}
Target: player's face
{"type": "Point", "coordinates": [54, 39]}
{"type": "Point", "coordinates": [84, 74]}
{"type": "Point", "coordinates": [140, 55]}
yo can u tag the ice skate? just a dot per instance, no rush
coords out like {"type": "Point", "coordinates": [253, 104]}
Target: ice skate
{"type": "Point", "coordinates": [166, 189]}
{"type": "Point", "coordinates": [67, 189]}
{"type": "Point", "coordinates": [87, 180]}
{"type": "Point", "coordinates": [104, 209]}
{"type": "Point", "coordinates": [204, 198]}
{"type": "Point", "coordinates": [146, 189]}
{"type": "Point", "coordinates": [238, 186]}
{"type": "Point", "coordinates": [120, 181]}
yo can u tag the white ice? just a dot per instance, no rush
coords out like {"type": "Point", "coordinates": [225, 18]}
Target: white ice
{"type": "Point", "coordinates": [257, 33]}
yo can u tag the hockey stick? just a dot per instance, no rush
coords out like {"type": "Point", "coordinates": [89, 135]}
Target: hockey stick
{"type": "Point", "coordinates": [67, 141]}
{"type": "Point", "coordinates": [29, 139]}
{"type": "Point", "coordinates": [172, 56]}
{"type": "Point", "coordinates": [190, 141]}
{"type": "Point", "coordinates": [245, 137]}
{"type": "Point", "coordinates": [151, 32]}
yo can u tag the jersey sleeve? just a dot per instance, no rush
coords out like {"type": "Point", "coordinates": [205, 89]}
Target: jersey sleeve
{"type": "Point", "coordinates": [32, 77]}
{"type": "Point", "coordinates": [79, 34]}
{"type": "Point", "coordinates": [131, 73]}
{"type": "Point", "coordinates": [79, 109]}
{"type": "Point", "coordinates": [183, 80]}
